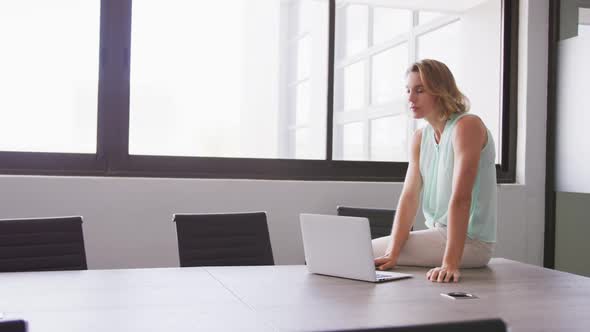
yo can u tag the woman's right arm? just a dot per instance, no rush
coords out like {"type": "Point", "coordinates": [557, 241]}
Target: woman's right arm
{"type": "Point", "coordinates": [407, 207]}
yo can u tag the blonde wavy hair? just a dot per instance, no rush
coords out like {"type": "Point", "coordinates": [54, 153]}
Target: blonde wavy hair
{"type": "Point", "coordinates": [439, 82]}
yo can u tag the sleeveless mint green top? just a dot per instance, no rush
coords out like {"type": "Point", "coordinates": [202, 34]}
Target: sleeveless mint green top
{"type": "Point", "coordinates": [436, 168]}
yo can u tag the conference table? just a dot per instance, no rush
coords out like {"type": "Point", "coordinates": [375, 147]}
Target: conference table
{"type": "Point", "coordinates": [288, 298]}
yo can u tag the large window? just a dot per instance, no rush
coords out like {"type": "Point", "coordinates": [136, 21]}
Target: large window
{"type": "Point", "coordinates": [207, 78]}
{"type": "Point", "coordinates": [49, 75]}
{"type": "Point", "coordinates": [276, 89]}
{"type": "Point", "coordinates": [376, 44]}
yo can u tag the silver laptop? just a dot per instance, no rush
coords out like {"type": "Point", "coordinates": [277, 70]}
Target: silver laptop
{"type": "Point", "coordinates": [341, 247]}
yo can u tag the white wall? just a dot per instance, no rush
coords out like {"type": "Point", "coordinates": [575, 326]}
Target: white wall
{"type": "Point", "coordinates": [572, 147]}
{"type": "Point", "coordinates": [532, 128]}
{"type": "Point", "coordinates": [571, 233]}
{"type": "Point", "coordinates": [127, 221]}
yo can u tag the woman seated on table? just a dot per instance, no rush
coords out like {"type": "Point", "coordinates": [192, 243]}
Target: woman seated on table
{"type": "Point", "coordinates": [452, 162]}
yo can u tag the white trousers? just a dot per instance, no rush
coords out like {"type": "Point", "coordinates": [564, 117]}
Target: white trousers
{"type": "Point", "coordinates": [426, 248]}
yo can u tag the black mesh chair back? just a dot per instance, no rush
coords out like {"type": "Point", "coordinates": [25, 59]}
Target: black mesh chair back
{"type": "Point", "coordinates": [13, 326]}
{"type": "Point", "coordinates": [487, 325]}
{"type": "Point", "coordinates": [42, 244]}
{"type": "Point", "coordinates": [380, 220]}
{"type": "Point", "coordinates": [223, 239]}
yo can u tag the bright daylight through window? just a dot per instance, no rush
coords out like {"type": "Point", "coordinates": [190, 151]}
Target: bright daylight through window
{"type": "Point", "coordinates": [229, 79]}
{"type": "Point", "coordinates": [375, 44]}
{"type": "Point", "coordinates": [273, 89]}
{"type": "Point", "coordinates": [49, 75]}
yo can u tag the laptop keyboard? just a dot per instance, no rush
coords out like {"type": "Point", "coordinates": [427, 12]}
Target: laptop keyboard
{"type": "Point", "coordinates": [381, 276]}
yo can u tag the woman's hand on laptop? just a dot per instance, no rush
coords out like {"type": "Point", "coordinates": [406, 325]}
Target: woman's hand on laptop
{"type": "Point", "coordinates": [385, 262]}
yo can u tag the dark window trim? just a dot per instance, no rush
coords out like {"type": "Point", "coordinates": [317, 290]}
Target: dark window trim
{"type": "Point", "coordinates": [506, 172]}
{"type": "Point", "coordinates": [331, 71]}
{"type": "Point", "coordinates": [44, 163]}
{"type": "Point", "coordinates": [550, 195]}
{"type": "Point", "coordinates": [112, 158]}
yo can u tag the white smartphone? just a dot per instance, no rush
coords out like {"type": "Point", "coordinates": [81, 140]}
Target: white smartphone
{"type": "Point", "coordinates": [459, 295]}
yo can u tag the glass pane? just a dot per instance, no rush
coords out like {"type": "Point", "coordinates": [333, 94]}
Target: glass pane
{"type": "Point", "coordinates": [357, 28]}
{"type": "Point", "coordinates": [389, 138]}
{"type": "Point", "coordinates": [426, 17]}
{"type": "Point", "coordinates": [354, 86]}
{"type": "Point", "coordinates": [583, 30]}
{"type": "Point", "coordinates": [388, 74]}
{"type": "Point", "coordinates": [389, 23]}
{"type": "Point", "coordinates": [305, 13]}
{"type": "Point", "coordinates": [49, 75]}
{"type": "Point", "coordinates": [222, 94]}
{"type": "Point", "coordinates": [303, 57]}
{"type": "Point", "coordinates": [303, 104]}
{"type": "Point", "coordinates": [303, 148]}
{"type": "Point", "coordinates": [471, 48]}
{"type": "Point", "coordinates": [352, 139]}
{"type": "Point", "coordinates": [442, 44]}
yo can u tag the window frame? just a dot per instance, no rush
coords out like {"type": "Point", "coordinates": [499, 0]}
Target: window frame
{"type": "Point", "coordinates": [370, 110]}
{"type": "Point", "coordinates": [112, 157]}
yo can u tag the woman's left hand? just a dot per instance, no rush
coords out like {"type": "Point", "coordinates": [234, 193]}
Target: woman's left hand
{"type": "Point", "coordinates": [443, 274]}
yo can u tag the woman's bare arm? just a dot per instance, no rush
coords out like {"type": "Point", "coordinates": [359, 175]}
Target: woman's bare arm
{"type": "Point", "coordinates": [468, 140]}
{"type": "Point", "coordinates": [407, 207]}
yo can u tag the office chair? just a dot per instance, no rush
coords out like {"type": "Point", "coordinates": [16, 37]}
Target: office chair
{"type": "Point", "coordinates": [219, 239]}
{"type": "Point", "coordinates": [13, 326]}
{"type": "Point", "coordinates": [487, 325]}
{"type": "Point", "coordinates": [380, 220]}
{"type": "Point", "coordinates": [42, 244]}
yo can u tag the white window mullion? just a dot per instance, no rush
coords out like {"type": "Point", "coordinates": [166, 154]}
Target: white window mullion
{"type": "Point", "coordinates": [368, 88]}
{"type": "Point", "coordinates": [367, 138]}
{"type": "Point", "coordinates": [286, 144]}
{"type": "Point", "coordinates": [338, 96]}
{"type": "Point", "coordinates": [436, 24]}
{"type": "Point", "coordinates": [412, 57]}
{"type": "Point", "coordinates": [396, 107]}
{"type": "Point", "coordinates": [370, 51]}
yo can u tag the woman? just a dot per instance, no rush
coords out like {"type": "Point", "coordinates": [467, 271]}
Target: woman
{"type": "Point", "coordinates": [452, 163]}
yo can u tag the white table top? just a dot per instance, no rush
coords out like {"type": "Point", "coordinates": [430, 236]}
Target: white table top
{"type": "Point", "coordinates": [288, 298]}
